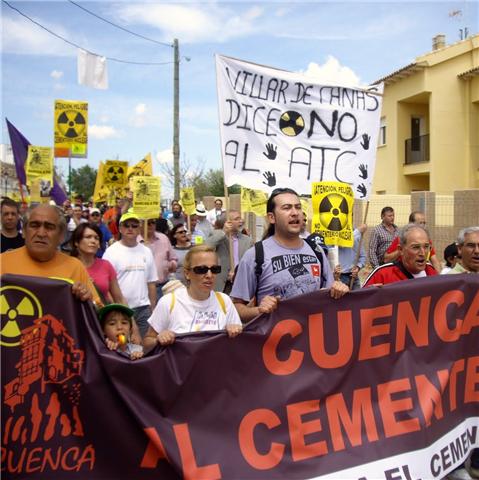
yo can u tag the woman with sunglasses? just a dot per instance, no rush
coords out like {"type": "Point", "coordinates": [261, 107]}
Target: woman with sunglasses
{"type": "Point", "coordinates": [197, 307]}
{"type": "Point", "coordinates": [181, 245]}
{"type": "Point", "coordinates": [85, 242]}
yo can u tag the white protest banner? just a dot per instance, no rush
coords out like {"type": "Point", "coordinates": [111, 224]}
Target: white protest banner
{"type": "Point", "coordinates": [281, 129]}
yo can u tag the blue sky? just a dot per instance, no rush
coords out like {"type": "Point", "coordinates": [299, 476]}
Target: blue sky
{"type": "Point", "coordinates": [351, 41]}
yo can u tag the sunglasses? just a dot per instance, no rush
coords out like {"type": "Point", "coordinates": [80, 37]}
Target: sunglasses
{"type": "Point", "coordinates": [203, 269]}
{"type": "Point", "coordinates": [180, 231]}
{"type": "Point", "coordinates": [131, 225]}
{"type": "Point", "coordinates": [151, 222]}
{"type": "Point", "coordinates": [95, 214]}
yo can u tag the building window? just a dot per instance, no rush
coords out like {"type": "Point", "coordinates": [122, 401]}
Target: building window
{"type": "Point", "coordinates": [382, 131]}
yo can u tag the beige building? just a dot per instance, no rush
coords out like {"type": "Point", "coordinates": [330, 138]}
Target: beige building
{"type": "Point", "coordinates": [429, 138]}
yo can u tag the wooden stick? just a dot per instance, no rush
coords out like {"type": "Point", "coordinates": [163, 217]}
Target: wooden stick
{"type": "Point", "coordinates": [351, 282]}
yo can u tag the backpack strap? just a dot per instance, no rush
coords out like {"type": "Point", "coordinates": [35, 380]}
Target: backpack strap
{"type": "Point", "coordinates": [173, 300]}
{"type": "Point", "coordinates": [218, 295]}
{"type": "Point", "coordinates": [258, 265]}
{"type": "Point", "coordinates": [319, 254]}
{"type": "Point", "coordinates": [221, 301]}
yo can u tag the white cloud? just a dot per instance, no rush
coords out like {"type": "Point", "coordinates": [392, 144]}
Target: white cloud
{"type": "Point", "coordinates": [332, 72]}
{"type": "Point", "coordinates": [102, 132]}
{"type": "Point", "coordinates": [192, 22]}
{"type": "Point", "coordinates": [165, 156]}
{"type": "Point", "coordinates": [56, 74]}
{"type": "Point", "coordinates": [22, 37]}
{"type": "Point", "coordinates": [140, 109]}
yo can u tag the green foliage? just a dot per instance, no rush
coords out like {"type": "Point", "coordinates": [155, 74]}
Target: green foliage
{"type": "Point", "coordinates": [212, 183]}
{"type": "Point", "coordinates": [83, 181]}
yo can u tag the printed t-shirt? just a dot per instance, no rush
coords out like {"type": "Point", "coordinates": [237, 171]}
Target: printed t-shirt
{"type": "Point", "coordinates": [287, 272]}
{"type": "Point", "coordinates": [135, 268]}
{"type": "Point", "coordinates": [185, 314]}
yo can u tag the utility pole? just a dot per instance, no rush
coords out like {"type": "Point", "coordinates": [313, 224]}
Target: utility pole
{"type": "Point", "coordinates": [176, 119]}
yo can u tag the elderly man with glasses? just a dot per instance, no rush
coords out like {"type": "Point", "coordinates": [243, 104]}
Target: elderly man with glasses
{"type": "Point", "coordinates": [468, 251]}
{"type": "Point", "coordinates": [414, 248]}
{"type": "Point", "coordinates": [135, 269]}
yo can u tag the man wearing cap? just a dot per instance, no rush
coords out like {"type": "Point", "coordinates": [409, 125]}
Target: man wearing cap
{"type": "Point", "coordinates": [95, 218]}
{"type": "Point", "coordinates": [135, 269]}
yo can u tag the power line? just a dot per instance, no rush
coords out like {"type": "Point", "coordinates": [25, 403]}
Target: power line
{"type": "Point", "coordinates": [120, 27]}
{"type": "Point", "coordinates": [78, 46]}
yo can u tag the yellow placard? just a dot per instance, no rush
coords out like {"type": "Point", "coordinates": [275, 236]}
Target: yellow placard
{"type": "Point", "coordinates": [253, 201]}
{"type": "Point", "coordinates": [39, 166]}
{"type": "Point", "coordinates": [333, 212]}
{"type": "Point", "coordinates": [39, 193]}
{"type": "Point", "coordinates": [71, 128]}
{"type": "Point", "coordinates": [146, 196]}
{"type": "Point", "coordinates": [101, 192]}
{"type": "Point", "coordinates": [187, 199]}
{"type": "Point", "coordinates": [115, 174]}
{"type": "Point", "coordinates": [144, 168]}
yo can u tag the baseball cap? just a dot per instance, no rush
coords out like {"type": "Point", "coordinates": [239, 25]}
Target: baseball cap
{"type": "Point", "coordinates": [94, 210]}
{"type": "Point", "coordinates": [114, 307]}
{"type": "Point", "coordinates": [129, 216]}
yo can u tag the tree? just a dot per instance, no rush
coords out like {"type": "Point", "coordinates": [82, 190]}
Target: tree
{"type": "Point", "coordinates": [209, 183]}
{"type": "Point", "coordinates": [83, 181]}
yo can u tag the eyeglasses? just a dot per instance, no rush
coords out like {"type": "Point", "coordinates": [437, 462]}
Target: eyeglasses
{"type": "Point", "coordinates": [471, 246]}
{"type": "Point", "coordinates": [151, 222]}
{"type": "Point", "coordinates": [203, 269]}
{"type": "Point", "coordinates": [131, 225]}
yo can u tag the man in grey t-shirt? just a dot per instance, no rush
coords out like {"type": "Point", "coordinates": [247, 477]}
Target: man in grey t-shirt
{"type": "Point", "coordinates": [290, 266]}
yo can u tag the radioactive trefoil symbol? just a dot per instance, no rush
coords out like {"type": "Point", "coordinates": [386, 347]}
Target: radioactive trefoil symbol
{"type": "Point", "coordinates": [19, 307]}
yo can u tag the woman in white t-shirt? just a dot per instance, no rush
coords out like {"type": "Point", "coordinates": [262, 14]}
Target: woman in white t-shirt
{"type": "Point", "coordinates": [197, 307]}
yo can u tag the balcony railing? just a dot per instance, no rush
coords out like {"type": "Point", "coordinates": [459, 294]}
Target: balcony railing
{"type": "Point", "coordinates": [417, 149]}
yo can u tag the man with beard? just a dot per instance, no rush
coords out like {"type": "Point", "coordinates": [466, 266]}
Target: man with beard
{"type": "Point", "coordinates": [289, 267]}
{"type": "Point", "coordinates": [176, 217]}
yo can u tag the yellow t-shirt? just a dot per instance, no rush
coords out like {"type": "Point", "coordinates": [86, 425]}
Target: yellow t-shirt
{"type": "Point", "coordinates": [61, 266]}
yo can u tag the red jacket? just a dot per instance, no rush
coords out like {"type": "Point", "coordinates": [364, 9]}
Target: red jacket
{"type": "Point", "coordinates": [393, 272]}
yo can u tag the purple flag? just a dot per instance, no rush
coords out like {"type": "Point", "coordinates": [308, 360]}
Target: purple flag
{"type": "Point", "coordinates": [20, 153]}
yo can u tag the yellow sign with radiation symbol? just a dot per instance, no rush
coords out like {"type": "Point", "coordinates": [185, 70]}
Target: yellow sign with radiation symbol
{"type": "Point", "coordinates": [115, 173]}
{"type": "Point", "coordinates": [71, 128]}
{"type": "Point", "coordinates": [187, 198]}
{"type": "Point", "coordinates": [333, 212]}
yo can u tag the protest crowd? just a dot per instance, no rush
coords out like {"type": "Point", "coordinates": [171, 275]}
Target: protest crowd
{"type": "Point", "coordinates": [154, 278]}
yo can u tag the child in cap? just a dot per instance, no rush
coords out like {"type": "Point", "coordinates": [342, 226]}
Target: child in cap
{"type": "Point", "coordinates": [115, 320]}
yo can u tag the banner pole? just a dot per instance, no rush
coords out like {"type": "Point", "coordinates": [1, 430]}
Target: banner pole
{"type": "Point", "coordinates": [230, 239]}
{"type": "Point", "coordinates": [351, 282]}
